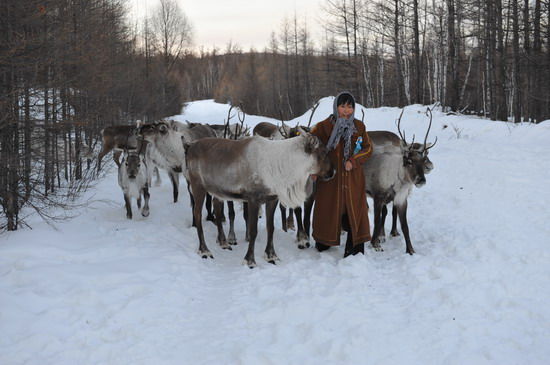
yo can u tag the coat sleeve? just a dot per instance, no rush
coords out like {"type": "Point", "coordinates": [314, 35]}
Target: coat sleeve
{"type": "Point", "coordinates": [360, 157]}
{"type": "Point", "coordinates": [319, 131]}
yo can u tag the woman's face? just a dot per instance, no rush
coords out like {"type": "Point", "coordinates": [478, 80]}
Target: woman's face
{"type": "Point", "coordinates": [345, 110]}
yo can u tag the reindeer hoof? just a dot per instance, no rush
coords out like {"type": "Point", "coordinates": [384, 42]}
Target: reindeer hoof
{"type": "Point", "coordinates": [145, 212]}
{"type": "Point", "coordinates": [302, 240]}
{"type": "Point", "coordinates": [376, 245]}
{"type": "Point", "coordinates": [224, 244]}
{"type": "Point", "coordinates": [250, 263]}
{"type": "Point", "coordinates": [303, 244]}
{"type": "Point", "coordinates": [232, 240]}
{"type": "Point", "coordinates": [129, 216]}
{"type": "Point", "coordinates": [382, 239]}
{"type": "Point", "coordinates": [206, 254]}
{"type": "Point", "coordinates": [394, 233]}
{"type": "Point", "coordinates": [411, 251]}
{"type": "Point", "coordinates": [272, 258]}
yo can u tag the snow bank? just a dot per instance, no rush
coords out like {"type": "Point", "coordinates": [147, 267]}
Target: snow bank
{"type": "Point", "coordinates": [106, 290]}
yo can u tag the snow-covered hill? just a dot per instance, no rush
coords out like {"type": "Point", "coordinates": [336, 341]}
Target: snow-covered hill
{"type": "Point", "coordinates": [105, 290]}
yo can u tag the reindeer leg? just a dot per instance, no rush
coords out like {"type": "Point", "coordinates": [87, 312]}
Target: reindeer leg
{"type": "Point", "coordinates": [158, 180]}
{"type": "Point", "coordinates": [308, 207]}
{"type": "Point", "coordinates": [232, 239]}
{"type": "Point", "coordinates": [105, 150]}
{"type": "Point", "coordinates": [199, 193]}
{"type": "Point", "coordinates": [210, 217]}
{"type": "Point", "coordinates": [174, 178]}
{"type": "Point", "coordinates": [301, 238]}
{"type": "Point", "coordinates": [145, 210]}
{"type": "Point", "coordinates": [290, 220]}
{"type": "Point", "coordinates": [253, 208]}
{"type": "Point", "coordinates": [223, 214]}
{"type": "Point", "coordinates": [394, 232]}
{"type": "Point", "coordinates": [139, 201]}
{"type": "Point", "coordinates": [128, 204]}
{"type": "Point", "coordinates": [283, 218]}
{"type": "Point", "coordinates": [402, 211]}
{"type": "Point", "coordinates": [375, 241]}
{"type": "Point", "coordinates": [270, 255]}
{"type": "Point", "coordinates": [192, 201]}
{"type": "Point", "coordinates": [245, 216]}
{"type": "Point", "coordinates": [382, 236]}
{"type": "Point", "coordinates": [116, 157]}
{"type": "Point", "coordinates": [218, 204]}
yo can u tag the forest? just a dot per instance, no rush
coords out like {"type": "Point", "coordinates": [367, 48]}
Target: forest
{"type": "Point", "coordinates": [69, 68]}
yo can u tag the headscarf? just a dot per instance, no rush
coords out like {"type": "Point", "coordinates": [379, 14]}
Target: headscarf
{"type": "Point", "coordinates": [343, 128]}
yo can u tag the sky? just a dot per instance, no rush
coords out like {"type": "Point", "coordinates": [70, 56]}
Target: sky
{"type": "Point", "coordinates": [248, 23]}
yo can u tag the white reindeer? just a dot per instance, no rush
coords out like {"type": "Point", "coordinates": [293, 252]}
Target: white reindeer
{"type": "Point", "coordinates": [133, 179]}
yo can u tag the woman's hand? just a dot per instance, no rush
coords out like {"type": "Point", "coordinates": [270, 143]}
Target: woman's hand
{"type": "Point", "coordinates": [348, 165]}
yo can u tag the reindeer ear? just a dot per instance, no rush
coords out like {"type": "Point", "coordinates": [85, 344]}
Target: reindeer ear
{"type": "Point", "coordinates": [185, 144]}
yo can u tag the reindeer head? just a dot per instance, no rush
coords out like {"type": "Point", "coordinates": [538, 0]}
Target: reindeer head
{"type": "Point", "coordinates": [314, 147]}
{"type": "Point", "coordinates": [150, 130]}
{"type": "Point", "coordinates": [132, 162]}
{"type": "Point", "coordinates": [415, 155]}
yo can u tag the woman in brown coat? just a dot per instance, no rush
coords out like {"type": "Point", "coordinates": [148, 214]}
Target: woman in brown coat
{"type": "Point", "coordinates": [341, 202]}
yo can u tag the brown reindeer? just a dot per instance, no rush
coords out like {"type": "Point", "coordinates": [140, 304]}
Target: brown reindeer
{"type": "Point", "coordinates": [119, 138]}
{"type": "Point", "coordinates": [255, 170]}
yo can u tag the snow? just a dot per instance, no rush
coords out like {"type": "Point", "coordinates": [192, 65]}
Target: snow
{"type": "Point", "coordinates": [101, 289]}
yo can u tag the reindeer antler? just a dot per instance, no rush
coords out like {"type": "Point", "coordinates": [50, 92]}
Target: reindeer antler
{"type": "Point", "coordinates": [283, 130]}
{"type": "Point", "coordinates": [226, 128]}
{"type": "Point", "coordinates": [402, 135]}
{"type": "Point", "coordinates": [312, 112]}
{"type": "Point", "coordinates": [241, 110]}
{"type": "Point", "coordinates": [428, 112]}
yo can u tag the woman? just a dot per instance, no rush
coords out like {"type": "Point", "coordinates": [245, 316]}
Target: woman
{"type": "Point", "coordinates": [341, 202]}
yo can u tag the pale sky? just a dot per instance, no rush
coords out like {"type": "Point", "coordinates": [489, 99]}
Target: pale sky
{"type": "Point", "coordinates": [245, 22]}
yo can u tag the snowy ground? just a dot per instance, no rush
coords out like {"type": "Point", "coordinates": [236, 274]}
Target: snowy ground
{"type": "Point", "coordinates": [105, 290]}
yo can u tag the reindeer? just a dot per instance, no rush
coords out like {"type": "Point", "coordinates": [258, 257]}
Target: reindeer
{"type": "Point", "coordinates": [120, 138]}
{"type": "Point", "coordinates": [165, 146]}
{"type": "Point", "coordinates": [117, 137]}
{"type": "Point", "coordinates": [165, 149]}
{"type": "Point", "coordinates": [254, 170]}
{"type": "Point", "coordinates": [390, 173]}
{"type": "Point", "coordinates": [234, 131]}
{"type": "Point", "coordinates": [133, 177]}
{"type": "Point", "coordinates": [272, 131]}
{"type": "Point", "coordinates": [383, 140]}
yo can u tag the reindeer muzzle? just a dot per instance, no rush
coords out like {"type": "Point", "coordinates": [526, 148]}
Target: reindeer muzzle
{"type": "Point", "coordinates": [420, 182]}
{"type": "Point", "coordinates": [329, 175]}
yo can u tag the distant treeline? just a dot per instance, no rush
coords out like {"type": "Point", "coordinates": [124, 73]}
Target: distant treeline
{"type": "Point", "coordinates": [485, 57]}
